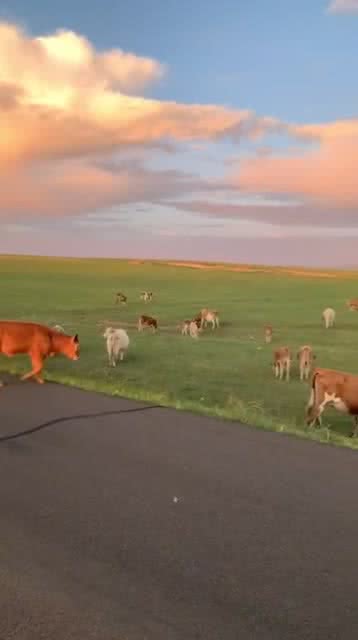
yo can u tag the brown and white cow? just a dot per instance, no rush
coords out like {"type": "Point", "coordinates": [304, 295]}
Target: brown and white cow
{"type": "Point", "coordinates": [190, 327]}
{"type": "Point", "coordinates": [333, 388]}
{"type": "Point", "coordinates": [281, 362]}
{"type": "Point", "coordinates": [268, 333]}
{"type": "Point", "coordinates": [147, 321]}
{"type": "Point", "coordinates": [146, 296]}
{"type": "Point", "coordinates": [120, 297]}
{"type": "Point", "coordinates": [352, 304]}
{"type": "Point", "coordinates": [329, 317]}
{"type": "Point", "coordinates": [209, 315]}
{"type": "Point", "coordinates": [305, 358]}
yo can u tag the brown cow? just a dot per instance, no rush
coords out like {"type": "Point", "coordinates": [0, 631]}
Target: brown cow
{"type": "Point", "coordinates": [333, 388]}
{"type": "Point", "coordinates": [209, 315]}
{"type": "Point", "coordinates": [305, 358]}
{"type": "Point", "coordinates": [352, 304]}
{"type": "Point", "coordinates": [147, 321]}
{"type": "Point", "coordinates": [38, 342]}
{"type": "Point", "coordinates": [268, 333]}
{"type": "Point", "coordinates": [282, 361]}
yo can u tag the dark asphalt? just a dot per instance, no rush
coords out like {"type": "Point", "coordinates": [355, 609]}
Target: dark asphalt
{"type": "Point", "coordinates": [260, 543]}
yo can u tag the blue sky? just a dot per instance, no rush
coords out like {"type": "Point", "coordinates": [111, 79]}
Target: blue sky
{"type": "Point", "coordinates": [292, 61]}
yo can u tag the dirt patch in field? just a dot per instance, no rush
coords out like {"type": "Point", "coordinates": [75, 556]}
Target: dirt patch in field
{"type": "Point", "coordinates": [248, 269]}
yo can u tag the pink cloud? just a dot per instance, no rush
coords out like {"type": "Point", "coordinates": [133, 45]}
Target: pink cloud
{"type": "Point", "coordinates": [343, 6]}
{"type": "Point", "coordinates": [326, 176]}
{"type": "Point", "coordinates": [74, 187]}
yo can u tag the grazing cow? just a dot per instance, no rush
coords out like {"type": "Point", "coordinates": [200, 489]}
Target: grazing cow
{"type": "Point", "coordinates": [197, 320]}
{"type": "Point", "coordinates": [305, 358]}
{"type": "Point", "coordinates": [191, 328]}
{"type": "Point", "coordinates": [147, 321]}
{"type": "Point", "coordinates": [146, 296]}
{"type": "Point", "coordinates": [117, 344]}
{"type": "Point", "coordinates": [120, 297]}
{"type": "Point", "coordinates": [352, 304]}
{"type": "Point", "coordinates": [194, 329]}
{"type": "Point", "coordinates": [282, 361]}
{"type": "Point", "coordinates": [184, 327]}
{"type": "Point", "coordinates": [38, 342]}
{"type": "Point", "coordinates": [336, 389]}
{"type": "Point", "coordinates": [208, 315]}
{"type": "Point", "coordinates": [268, 333]}
{"type": "Point", "coordinates": [329, 317]}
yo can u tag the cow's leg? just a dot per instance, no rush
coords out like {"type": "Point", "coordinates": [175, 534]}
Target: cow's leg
{"type": "Point", "coordinates": [288, 367]}
{"type": "Point", "coordinates": [121, 355]}
{"type": "Point", "coordinates": [37, 366]}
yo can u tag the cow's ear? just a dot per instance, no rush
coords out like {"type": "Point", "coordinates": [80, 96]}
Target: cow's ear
{"type": "Point", "coordinates": [75, 338]}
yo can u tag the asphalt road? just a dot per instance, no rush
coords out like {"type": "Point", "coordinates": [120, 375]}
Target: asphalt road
{"type": "Point", "coordinates": [158, 525]}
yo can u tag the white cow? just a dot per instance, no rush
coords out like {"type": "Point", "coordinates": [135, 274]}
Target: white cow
{"type": "Point", "coordinates": [117, 344]}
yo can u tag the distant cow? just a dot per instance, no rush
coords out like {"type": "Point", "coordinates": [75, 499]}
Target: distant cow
{"type": "Point", "coordinates": [268, 333]}
{"type": "Point", "coordinates": [146, 296]}
{"type": "Point", "coordinates": [121, 298]}
{"type": "Point", "coordinates": [209, 315]}
{"type": "Point", "coordinates": [329, 317]}
{"type": "Point", "coordinates": [305, 358]}
{"type": "Point", "coordinates": [190, 327]}
{"type": "Point", "coordinates": [147, 321]}
{"type": "Point", "coordinates": [117, 344]}
{"type": "Point", "coordinates": [336, 389]}
{"type": "Point", "coordinates": [282, 362]}
{"type": "Point", "coordinates": [352, 304]}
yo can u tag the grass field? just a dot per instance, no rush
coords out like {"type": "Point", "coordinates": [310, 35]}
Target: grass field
{"type": "Point", "coordinates": [227, 372]}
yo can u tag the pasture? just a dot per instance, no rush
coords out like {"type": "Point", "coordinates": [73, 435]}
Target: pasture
{"type": "Point", "coordinates": [226, 372]}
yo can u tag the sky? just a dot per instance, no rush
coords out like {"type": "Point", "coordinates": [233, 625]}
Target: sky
{"type": "Point", "coordinates": [180, 130]}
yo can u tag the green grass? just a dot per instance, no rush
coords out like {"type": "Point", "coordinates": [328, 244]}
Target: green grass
{"type": "Point", "coordinates": [227, 372]}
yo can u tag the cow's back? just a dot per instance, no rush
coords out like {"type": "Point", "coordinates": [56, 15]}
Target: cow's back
{"type": "Point", "coordinates": [21, 337]}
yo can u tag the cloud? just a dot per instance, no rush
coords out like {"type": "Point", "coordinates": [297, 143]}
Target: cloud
{"type": "Point", "coordinates": [59, 97]}
{"type": "Point", "coordinates": [69, 188]}
{"type": "Point", "coordinates": [283, 215]}
{"type": "Point", "coordinates": [343, 6]}
{"type": "Point", "coordinates": [325, 176]}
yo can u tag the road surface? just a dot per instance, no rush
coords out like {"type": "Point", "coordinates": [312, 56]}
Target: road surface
{"type": "Point", "coordinates": [157, 525]}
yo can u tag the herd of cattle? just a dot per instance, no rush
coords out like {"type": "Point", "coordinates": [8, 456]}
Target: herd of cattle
{"type": "Point", "coordinates": [328, 387]}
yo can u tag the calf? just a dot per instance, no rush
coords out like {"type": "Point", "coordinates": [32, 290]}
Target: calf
{"type": "Point", "coordinates": [268, 333]}
{"type": "Point", "coordinates": [208, 315]}
{"type": "Point", "coordinates": [38, 342]}
{"type": "Point", "coordinates": [282, 362]}
{"type": "Point", "coordinates": [147, 321]}
{"type": "Point", "coordinates": [121, 298]}
{"type": "Point", "coordinates": [333, 388]}
{"type": "Point", "coordinates": [329, 317]}
{"type": "Point", "coordinates": [305, 358]}
{"type": "Point", "coordinates": [117, 344]}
